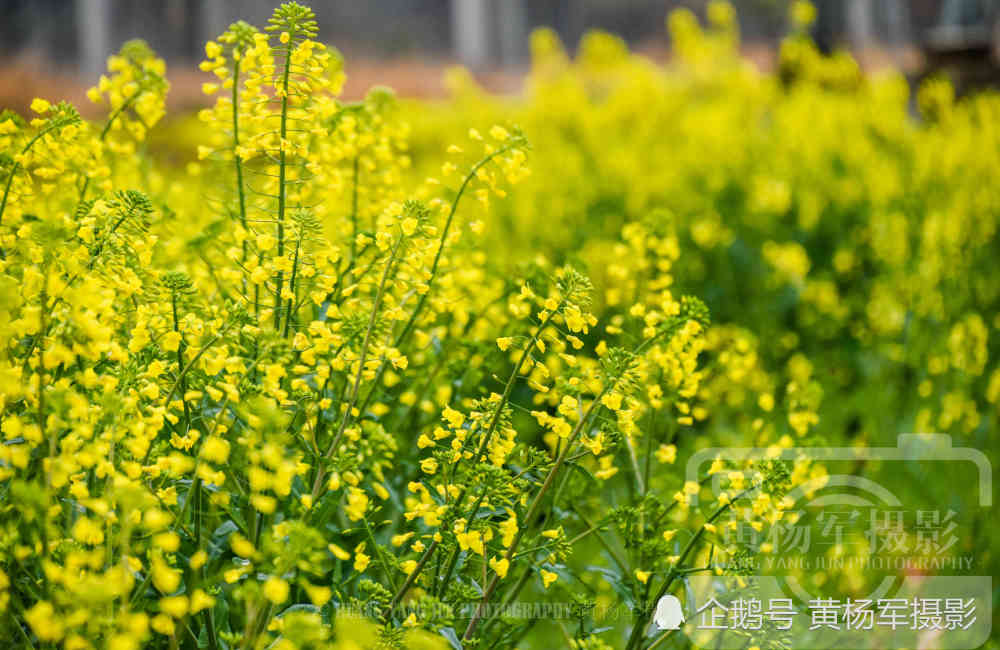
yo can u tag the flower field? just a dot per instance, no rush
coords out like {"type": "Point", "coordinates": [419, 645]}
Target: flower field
{"type": "Point", "coordinates": [363, 374]}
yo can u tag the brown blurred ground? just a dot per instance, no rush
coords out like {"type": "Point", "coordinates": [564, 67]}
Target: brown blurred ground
{"type": "Point", "coordinates": [23, 79]}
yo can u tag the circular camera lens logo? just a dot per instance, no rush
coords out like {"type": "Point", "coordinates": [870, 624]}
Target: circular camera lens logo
{"type": "Point", "coordinates": [836, 493]}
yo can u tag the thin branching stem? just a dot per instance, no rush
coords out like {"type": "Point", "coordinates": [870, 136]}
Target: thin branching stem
{"type": "Point", "coordinates": [363, 357]}
{"type": "Point", "coordinates": [442, 241]}
{"type": "Point", "coordinates": [282, 188]}
{"type": "Point", "coordinates": [533, 509]}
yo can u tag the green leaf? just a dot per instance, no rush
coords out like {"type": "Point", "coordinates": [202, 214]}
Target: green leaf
{"type": "Point", "coordinates": [449, 634]}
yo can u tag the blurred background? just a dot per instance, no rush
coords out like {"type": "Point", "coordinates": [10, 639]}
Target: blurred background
{"type": "Point", "coordinates": [57, 48]}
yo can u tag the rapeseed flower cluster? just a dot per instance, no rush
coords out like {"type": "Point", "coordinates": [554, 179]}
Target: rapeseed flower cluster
{"type": "Point", "coordinates": [821, 213]}
{"type": "Point", "coordinates": [339, 385]}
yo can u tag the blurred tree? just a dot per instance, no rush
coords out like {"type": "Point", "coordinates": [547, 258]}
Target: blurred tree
{"type": "Point", "coordinates": [860, 23]}
{"type": "Point", "coordinates": [470, 30]}
{"type": "Point", "coordinates": [93, 35]}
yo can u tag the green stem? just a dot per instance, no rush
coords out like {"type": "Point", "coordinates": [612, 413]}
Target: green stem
{"type": "Point", "coordinates": [649, 448]}
{"type": "Point", "coordinates": [117, 112]}
{"type": "Point", "coordinates": [444, 237]}
{"type": "Point", "coordinates": [104, 133]}
{"type": "Point", "coordinates": [442, 584]}
{"type": "Point", "coordinates": [283, 132]}
{"type": "Point", "coordinates": [533, 509]}
{"type": "Point", "coordinates": [183, 372]}
{"type": "Point", "coordinates": [320, 474]}
{"type": "Point", "coordinates": [509, 598]}
{"type": "Point", "coordinates": [410, 579]}
{"type": "Point", "coordinates": [484, 445]}
{"type": "Point", "coordinates": [14, 170]}
{"type": "Point", "coordinates": [380, 553]}
{"type": "Point", "coordinates": [637, 631]}
{"type": "Point", "coordinates": [238, 162]}
{"type": "Point", "coordinates": [354, 214]}
{"type": "Point", "coordinates": [291, 287]}
{"type": "Point", "coordinates": [487, 436]}
{"type": "Point", "coordinates": [618, 560]}
{"type": "Point", "coordinates": [408, 327]}
{"type": "Point", "coordinates": [180, 364]}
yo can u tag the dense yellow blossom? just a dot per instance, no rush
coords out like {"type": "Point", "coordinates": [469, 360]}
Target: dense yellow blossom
{"type": "Point", "coordinates": [348, 363]}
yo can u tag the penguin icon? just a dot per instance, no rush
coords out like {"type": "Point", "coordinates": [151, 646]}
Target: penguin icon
{"type": "Point", "coordinates": [669, 615]}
